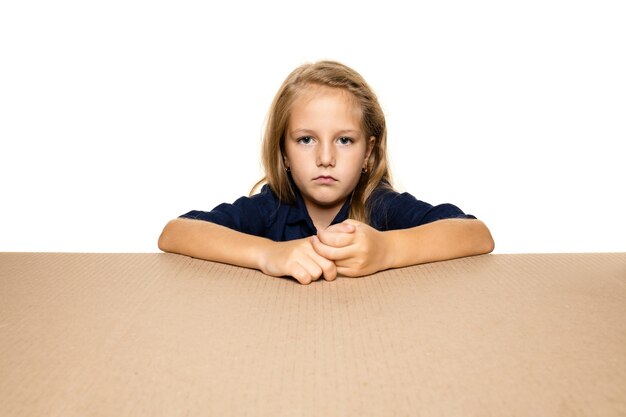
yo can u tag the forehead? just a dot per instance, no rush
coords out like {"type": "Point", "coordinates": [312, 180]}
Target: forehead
{"type": "Point", "coordinates": [314, 98]}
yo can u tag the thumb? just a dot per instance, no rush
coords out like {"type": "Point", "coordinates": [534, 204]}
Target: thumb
{"type": "Point", "coordinates": [342, 227]}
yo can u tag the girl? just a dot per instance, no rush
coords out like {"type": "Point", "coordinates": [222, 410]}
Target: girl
{"type": "Point", "coordinates": [327, 206]}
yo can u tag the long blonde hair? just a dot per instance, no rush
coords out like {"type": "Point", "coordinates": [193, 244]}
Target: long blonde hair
{"type": "Point", "coordinates": [337, 75]}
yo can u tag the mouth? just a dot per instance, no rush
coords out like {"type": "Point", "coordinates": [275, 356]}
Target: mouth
{"type": "Point", "coordinates": [324, 179]}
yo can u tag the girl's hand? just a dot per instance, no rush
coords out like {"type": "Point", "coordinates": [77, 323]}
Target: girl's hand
{"type": "Point", "coordinates": [298, 259]}
{"type": "Point", "coordinates": [356, 248]}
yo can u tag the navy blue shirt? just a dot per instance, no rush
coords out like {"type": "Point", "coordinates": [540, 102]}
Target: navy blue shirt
{"type": "Point", "coordinates": [265, 215]}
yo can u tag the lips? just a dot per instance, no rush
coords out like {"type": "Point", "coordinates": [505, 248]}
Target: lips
{"type": "Point", "coordinates": [325, 179]}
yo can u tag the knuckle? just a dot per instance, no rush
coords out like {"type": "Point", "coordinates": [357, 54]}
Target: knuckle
{"type": "Point", "coordinates": [317, 273]}
{"type": "Point", "coordinates": [329, 271]}
{"type": "Point", "coordinates": [302, 277]}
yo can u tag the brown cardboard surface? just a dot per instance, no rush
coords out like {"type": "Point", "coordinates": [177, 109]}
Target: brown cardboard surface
{"type": "Point", "coordinates": [167, 335]}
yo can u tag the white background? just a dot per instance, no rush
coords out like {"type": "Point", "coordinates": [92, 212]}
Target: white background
{"type": "Point", "coordinates": [117, 116]}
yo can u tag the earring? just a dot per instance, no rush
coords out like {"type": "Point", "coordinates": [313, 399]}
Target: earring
{"type": "Point", "coordinates": [364, 170]}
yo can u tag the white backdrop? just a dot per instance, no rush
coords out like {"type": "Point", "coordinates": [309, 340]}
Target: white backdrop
{"type": "Point", "coordinates": [117, 116]}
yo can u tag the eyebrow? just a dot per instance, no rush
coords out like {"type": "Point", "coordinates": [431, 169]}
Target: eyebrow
{"type": "Point", "coordinates": [311, 132]}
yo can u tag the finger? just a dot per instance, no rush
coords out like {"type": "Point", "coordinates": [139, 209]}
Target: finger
{"type": "Point", "coordinates": [301, 275]}
{"type": "Point", "coordinates": [343, 227]}
{"type": "Point", "coordinates": [347, 272]}
{"type": "Point", "coordinates": [318, 266]}
{"type": "Point", "coordinates": [329, 270]}
{"type": "Point", "coordinates": [335, 239]}
{"type": "Point", "coordinates": [313, 269]}
{"type": "Point", "coordinates": [329, 252]}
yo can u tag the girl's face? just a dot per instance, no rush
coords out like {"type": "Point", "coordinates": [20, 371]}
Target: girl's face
{"type": "Point", "coordinates": [325, 146]}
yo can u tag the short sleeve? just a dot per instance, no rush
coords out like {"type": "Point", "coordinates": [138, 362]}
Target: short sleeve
{"type": "Point", "coordinates": [247, 214]}
{"type": "Point", "coordinates": [391, 210]}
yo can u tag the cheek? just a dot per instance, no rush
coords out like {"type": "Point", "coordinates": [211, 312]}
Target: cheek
{"type": "Point", "coordinates": [354, 159]}
{"type": "Point", "coordinates": [299, 159]}
{"type": "Point", "coordinates": [350, 168]}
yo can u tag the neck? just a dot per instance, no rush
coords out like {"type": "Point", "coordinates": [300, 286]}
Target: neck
{"type": "Point", "coordinates": [323, 216]}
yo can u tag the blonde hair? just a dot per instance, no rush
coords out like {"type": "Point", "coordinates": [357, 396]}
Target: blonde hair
{"type": "Point", "coordinates": [336, 75]}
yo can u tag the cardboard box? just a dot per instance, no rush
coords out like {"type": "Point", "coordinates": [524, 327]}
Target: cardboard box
{"type": "Point", "coordinates": [167, 335]}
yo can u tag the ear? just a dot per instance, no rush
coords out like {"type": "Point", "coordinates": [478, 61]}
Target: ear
{"type": "Point", "coordinates": [285, 162]}
{"type": "Point", "coordinates": [368, 151]}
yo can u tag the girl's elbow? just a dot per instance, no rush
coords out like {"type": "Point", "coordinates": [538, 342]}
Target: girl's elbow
{"type": "Point", "coordinates": [487, 244]}
{"type": "Point", "coordinates": [162, 242]}
{"type": "Point", "coordinates": [165, 239]}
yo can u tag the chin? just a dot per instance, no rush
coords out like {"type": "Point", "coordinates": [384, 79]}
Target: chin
{"type": "Point", "coordinates": [326, 197]}
{"type": "Point", "coordinates": [328, 202]}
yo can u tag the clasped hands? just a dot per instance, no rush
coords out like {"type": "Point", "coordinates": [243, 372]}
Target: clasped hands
{"type": "Point", "coordinates": [350, 248]}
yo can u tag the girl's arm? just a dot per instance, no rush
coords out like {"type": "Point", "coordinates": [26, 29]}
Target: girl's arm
{"type": "Point", "coordinates": [438, 241]}
{"type": "Point", "coordinates": [210, 241]}
{"type": "Point", "coordinates": [359, 249]}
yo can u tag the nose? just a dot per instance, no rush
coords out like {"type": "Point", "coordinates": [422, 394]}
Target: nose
{"type": "Point", "coordinates": [325, 154]}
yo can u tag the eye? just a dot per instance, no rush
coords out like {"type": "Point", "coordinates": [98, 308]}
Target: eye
{"type": "Point", "coordinates": [305, 140]}
{"type": "Point", "coordinates": [344, 140]}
